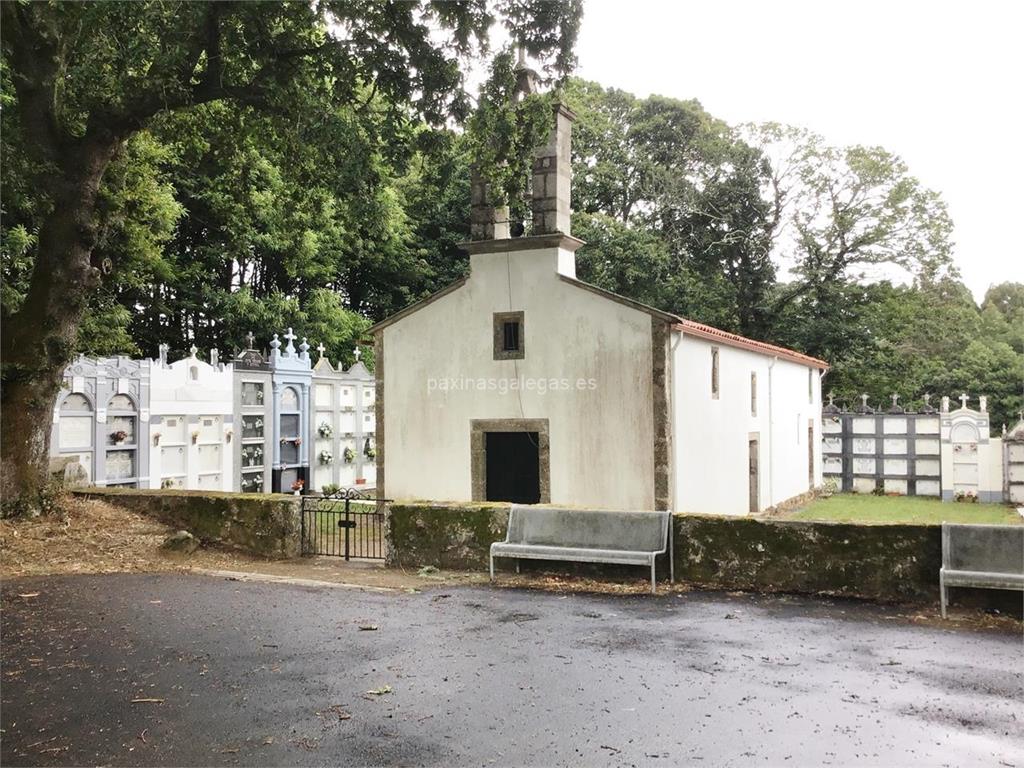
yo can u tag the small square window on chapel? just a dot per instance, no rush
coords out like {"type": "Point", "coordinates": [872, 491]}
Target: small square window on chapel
{"type": "Point", "coordinates": [714, 373]}
{"type": "Point", "coordinates": [509, 343]}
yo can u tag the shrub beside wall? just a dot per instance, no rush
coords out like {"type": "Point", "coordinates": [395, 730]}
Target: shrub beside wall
{"type": "Point", "coordinates": [261, 524]}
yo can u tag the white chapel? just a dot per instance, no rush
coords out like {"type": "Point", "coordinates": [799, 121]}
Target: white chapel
{"type": "Point", "coordinates": [522, 383]}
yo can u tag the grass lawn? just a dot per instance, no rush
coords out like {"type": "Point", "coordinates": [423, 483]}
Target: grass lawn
{"type": "Point", "coordinates": [863, 508]}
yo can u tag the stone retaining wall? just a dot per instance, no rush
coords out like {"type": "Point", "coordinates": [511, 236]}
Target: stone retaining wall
{"type": "Point", "coordinates": [260, 524]}
{"type": "Point", "coordinates": [452, 537]}
{"type": "Point", "coordinates": [881, 562]}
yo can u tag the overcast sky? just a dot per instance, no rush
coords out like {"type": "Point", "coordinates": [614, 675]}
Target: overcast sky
{"type": "Point", "coordinates": [938, 83]}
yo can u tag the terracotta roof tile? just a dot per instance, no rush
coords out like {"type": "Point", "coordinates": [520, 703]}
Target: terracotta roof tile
{"type": "Point", "coordinates": [742, 342]}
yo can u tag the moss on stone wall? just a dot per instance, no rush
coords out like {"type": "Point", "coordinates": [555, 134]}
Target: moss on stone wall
{"type": "Point", "coordinates": [451, 536]}
{"type": "Point", "coordinates": [261, 524]}
{"type": "Point", "coordinates": [882, 562]}
{"type": "Point", "coordinates": [887, 562]}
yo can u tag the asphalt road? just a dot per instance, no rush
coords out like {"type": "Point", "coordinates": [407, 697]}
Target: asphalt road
{"type": "Point", "coordinates": [176, 669]}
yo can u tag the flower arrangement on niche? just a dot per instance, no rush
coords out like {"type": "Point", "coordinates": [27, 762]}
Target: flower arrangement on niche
{"type": "Point", "coordinates": [326, 457]}
{"type": "Point", "coordinates": [349, 455]}
{"type": "Point", "coordinates": [297, 486]}
{"type": "Point", "coordinates": [253, 455]}
{"type": "Point", "coordinates": [119, 436]}
{"type": "Point", "coordinates": [229, 434]}
{"type": "Point", "coordinates": [156, 438]}
{"type": "Point", "coordinates": [370, 452]}
{"type": "Point", "coordinates": [195, 438]}
{"type": "Point", "coordinates": [324, 430]}
{"type": "Point", "coordinates": [254, 485]}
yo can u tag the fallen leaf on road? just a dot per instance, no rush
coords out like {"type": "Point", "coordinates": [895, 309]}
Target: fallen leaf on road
{"type": "Point", "coordinates": [268, 741]}
{"type": "Point", "coordinates": [380, 691]}
{"type": "Point", "coordinates": [147, 701]}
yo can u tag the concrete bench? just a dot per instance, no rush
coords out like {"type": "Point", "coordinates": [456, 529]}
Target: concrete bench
{"type": "Point", "coordinates": [618, 538]}
{"type": "Point", "coordinates": [986, 556]}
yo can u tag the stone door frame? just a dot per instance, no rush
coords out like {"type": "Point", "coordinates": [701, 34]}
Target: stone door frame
{"type": "Point", "coordinates": [478, 428]}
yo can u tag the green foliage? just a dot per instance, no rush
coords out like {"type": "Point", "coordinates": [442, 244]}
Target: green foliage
{"type": "Point", "coordinates": [304, 172]}
{"type": "Point", "coordinates": [672, 173]}
{"type": "Point", "coordinates": [504, 131]}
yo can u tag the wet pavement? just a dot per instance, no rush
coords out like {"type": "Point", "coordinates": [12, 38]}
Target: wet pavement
{"type": "Point", "coordinates": [180, 669]}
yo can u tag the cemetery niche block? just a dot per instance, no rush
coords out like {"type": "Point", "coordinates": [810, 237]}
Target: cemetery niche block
{"type": "Point", "coordinates": [102, 420]}
{"type": "Point", "coordinates": [255, 424]}
{"type": "Point", "coordinates": [342, 423]}
{"type": "Point", "coordinates": [926, 453]}
{"type": "Point", "coordinates": [254, 415]}
{"type": "Point", "coordinates": [192, 417]}
{"type": "Point", "coordinates": [972, 461]}
{"type": "Point", "coordinates": [291, 376]}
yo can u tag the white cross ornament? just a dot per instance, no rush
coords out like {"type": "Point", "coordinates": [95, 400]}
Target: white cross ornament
{"type": "Point", "coordinates": [290, 337]}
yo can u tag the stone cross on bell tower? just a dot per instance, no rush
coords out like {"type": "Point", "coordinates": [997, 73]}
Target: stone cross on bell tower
{"type": "Point", "coordinates": [963, 400]}
{"type": "Point", "coordinates": [321, 349]}
{"type": "Point", "coordinates": [357, 353]}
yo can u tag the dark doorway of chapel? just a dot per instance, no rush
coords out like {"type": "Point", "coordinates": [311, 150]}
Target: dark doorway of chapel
{"type": "Point", "coordinates": [513, 467]}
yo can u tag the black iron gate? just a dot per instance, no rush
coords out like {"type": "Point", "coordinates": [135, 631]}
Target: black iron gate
{"type": "Point", "coordinates": [343, 524]}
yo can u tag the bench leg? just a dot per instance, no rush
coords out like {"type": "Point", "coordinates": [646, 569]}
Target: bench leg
{"type": "Point", "coordinates": [671, 553]}
{"type": "Point", "coordinates": [492, 567]}
{"type": "Point", "coordinates": [517, 565]}
{"type": "Point", "coordinates": [653, 585]}
{"type": "Point", "coordinates": [942, 593]}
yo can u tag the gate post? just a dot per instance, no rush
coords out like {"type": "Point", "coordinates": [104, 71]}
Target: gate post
{"type": "Point", "coordinates": [347, 502]}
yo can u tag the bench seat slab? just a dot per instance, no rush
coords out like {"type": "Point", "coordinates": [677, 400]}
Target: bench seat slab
{"type": "Point", "coordinates": [576, 554]}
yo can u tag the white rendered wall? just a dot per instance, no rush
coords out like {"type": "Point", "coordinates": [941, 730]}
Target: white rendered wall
{"type": "Point", "coordinates": [711, 435]}
{"type": "Point", "coordinates": [207, 461]}
{"type": "Point", "coordinates": [601, 439]}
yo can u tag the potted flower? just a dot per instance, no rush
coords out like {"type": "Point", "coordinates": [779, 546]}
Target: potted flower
{"type": "Point", "coordinates": [324, 430]}
{"type": "Point", "coordinates": [195, 437]}
{"type": "Point", "coordinates": [156, 438]}
{"type": "Point", "coordinates": [326, 457]}
{"type": "Point", "coordinates": [349, 455]}
{"type": "Point", "coordinates": [371, 452]}
{"type": "Point", "coordinates": [119, 436]}
{"type": "Point", "coordinates": [297, 441]}
{"type": "Point", "coordinates": [297, 487]}
{"type": "Point", "coordinates": [228, 435]}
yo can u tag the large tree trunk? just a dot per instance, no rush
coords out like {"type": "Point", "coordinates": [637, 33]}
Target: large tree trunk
{"type": "Point", "coordinates": [39, 340]}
